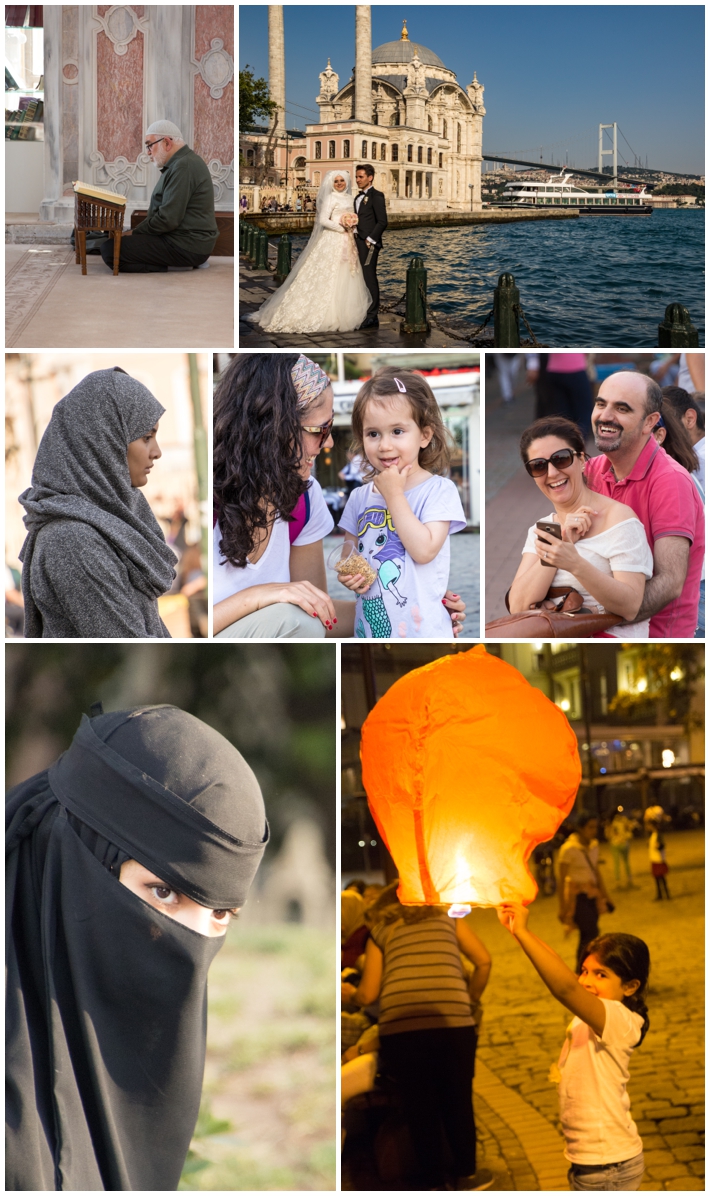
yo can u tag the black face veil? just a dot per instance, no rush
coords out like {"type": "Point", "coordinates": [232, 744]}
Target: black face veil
{"type": "Point", "coordinates": [106, 1005]}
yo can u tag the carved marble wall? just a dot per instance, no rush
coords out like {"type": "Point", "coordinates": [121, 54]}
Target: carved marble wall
{"type": "Point", "coordinates": [110, 70]}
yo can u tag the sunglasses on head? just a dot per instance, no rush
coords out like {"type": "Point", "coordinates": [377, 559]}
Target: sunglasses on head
{"type": "Point", "coordinates": [321, 430]}
{"type": "Point", "coordinates": [562, 459]}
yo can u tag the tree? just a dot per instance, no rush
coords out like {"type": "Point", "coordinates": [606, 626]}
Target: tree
{"type": "Point", "coordinates": [254, 102]}
{"type": "Point", "coordinates": [672, 673]}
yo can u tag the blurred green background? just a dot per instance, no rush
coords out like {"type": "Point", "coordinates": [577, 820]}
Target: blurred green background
{"type": "Point", "coordinates": [268, 1119]}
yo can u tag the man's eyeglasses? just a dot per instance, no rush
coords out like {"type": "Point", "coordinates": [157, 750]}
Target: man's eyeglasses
{"type": "Point", "coordinates": [321, 430]}
{"type": "Point", "coordinates": [562, 459]}
{"type": "Point", "coordinates": [149, 144]}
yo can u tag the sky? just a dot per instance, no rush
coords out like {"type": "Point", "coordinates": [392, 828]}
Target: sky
{"type": "Point", "coordinates": [552, 73]}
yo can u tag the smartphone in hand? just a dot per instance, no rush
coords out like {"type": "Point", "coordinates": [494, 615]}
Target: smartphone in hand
{"type": "Point", "coordinates": [551, 529]}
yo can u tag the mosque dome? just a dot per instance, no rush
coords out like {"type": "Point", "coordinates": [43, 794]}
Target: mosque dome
{"type": "Point", "coordinates": [403, 51]}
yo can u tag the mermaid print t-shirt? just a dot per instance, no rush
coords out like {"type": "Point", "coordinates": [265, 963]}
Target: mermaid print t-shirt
{"type": "Point", "coordinates": [404, 600]}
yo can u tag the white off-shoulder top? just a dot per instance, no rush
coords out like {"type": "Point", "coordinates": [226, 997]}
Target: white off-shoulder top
{"type": "Point", "coordinates": [622, 548]}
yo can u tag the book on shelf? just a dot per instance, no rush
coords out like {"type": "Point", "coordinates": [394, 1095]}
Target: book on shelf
{"type": "Point", "coordinates": [98, 193]}
{"type": "Point", "coordinates": [31, 115]}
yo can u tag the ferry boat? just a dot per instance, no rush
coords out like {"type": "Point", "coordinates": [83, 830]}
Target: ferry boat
{"type": "Point", "coordinates": [558, 191]}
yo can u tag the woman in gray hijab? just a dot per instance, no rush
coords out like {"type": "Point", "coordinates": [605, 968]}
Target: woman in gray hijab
{"type": "Point", "coordinates": [95, 559]}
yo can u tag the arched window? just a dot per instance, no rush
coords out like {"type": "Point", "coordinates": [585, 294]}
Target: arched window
{"type": "Point", "coordinates": [458, 139]}
{"type": "Point", "coordinates": [394, 118]}
{"type": "Point", "coordinates": [374, 151]}
{"type": "Point", "coordinates": [250, 157]}
{"type": "Point", "coordinates": [395, 153]}
{"type": "Point", "coordinates": [299, 164]}
{"type": "Point", "coordinates": [316, 178]}
{"type": "Point", "coordinates": [269, 157]}
{"type": "Point", "coordinates": [430, 124]}
{"type": "Point", "coordinates": [364, 149]}
{"type": "Point", "coordinates": [444, 129]}
{"type": "Point", "coordinates": [410, 153]}
{"type": "Point", "coordinates": [428, 156]}
{"type": "Point", "coordinates": [331, 149]}
{"type": "Point", "coordinates": [375, 117]}
{"type": "Point", "coordinates": [441, 161]}
{"type": "Point", "coordinates": [318, 151]}
{"type": "Point", "coordinates": [346, 148]}
{"type": "Point", "coordinates": [420, 153]}
{"type": "Point", "coordinates": [383, 152]}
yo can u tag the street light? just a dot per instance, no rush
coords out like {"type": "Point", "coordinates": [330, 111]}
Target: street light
{"type": "Point", "coordinates": [470, 187]}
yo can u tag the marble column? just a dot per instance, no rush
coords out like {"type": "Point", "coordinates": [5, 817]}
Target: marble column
{"type": "Point", "coordinates": [277, 66]}
{"type": "Point", "coordinates": [363, 64]}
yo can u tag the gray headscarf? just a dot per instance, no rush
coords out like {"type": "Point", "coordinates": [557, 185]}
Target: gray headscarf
{"type": "Point", "coordinates": [81, 473]}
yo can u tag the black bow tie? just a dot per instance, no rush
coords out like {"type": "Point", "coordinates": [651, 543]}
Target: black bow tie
{"type": "Point", "coordinates": [360, 193]}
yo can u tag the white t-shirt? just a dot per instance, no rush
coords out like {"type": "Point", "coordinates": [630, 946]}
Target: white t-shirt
{"type": "Point", "coordinates": [594, 1103]}
{"type": "Point", "coordinates": [404, 600]}
{"type": "Point", "coordinates": [621, 548]}
{"type": "Point", "coordinates": [273, 565]}
{"type": "Point", "coordinates": [582, 862]}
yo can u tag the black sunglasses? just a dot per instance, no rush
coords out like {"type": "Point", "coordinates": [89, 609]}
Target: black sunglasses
{"type": "Point", "coordinates": [321, 430]}
{"type": "Point", "coordinates": [562, 459]}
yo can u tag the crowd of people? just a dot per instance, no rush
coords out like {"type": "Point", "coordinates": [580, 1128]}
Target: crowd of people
{"type": "Point", "coordinates": [412, 980]}
{"type": "Point", "coordinates": [271, 205]}
{"type": "Point", "coordinates": [627, 528]}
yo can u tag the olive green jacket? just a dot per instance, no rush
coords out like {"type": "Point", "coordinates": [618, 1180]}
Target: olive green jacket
{"type": "Point", "coordinates": [182, 204]}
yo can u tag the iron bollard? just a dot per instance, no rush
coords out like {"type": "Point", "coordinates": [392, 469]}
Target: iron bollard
{"type": "Point", "coordinates": [243, 229]}
{"type": "Point", "coordinates": [249, 242]}
{"type": "Point", "coordinates": [506, 328]}
{"type": "Point", "coordinates": [415, 300]}
{"type": "Point", "coordinates": [676, 330]}
{"type": "Point", "coordinates": [261, 248]}
{"type": "Point", "coordinates": [283, 262]}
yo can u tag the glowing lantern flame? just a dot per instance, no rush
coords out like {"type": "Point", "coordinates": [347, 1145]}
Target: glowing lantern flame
{"type": "Point", "coordinates": [467, 768]}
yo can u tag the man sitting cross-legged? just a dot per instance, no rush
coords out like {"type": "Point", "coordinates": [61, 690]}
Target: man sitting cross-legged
{"type": "Point", "coordinates": [180, 229]}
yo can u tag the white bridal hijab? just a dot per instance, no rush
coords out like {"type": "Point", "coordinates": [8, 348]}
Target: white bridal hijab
{"type": "Point", "coordinates": [328, 200]}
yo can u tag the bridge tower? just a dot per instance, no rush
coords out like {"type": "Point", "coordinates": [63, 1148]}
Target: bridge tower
{"type": "Point", "coordinates": [608, 152]}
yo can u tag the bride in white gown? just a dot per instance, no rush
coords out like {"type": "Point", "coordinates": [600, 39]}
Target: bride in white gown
{"type": "Point", "coordinates": [325, 291]}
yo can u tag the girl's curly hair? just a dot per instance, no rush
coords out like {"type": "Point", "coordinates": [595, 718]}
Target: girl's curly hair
{"type": "Point", "coordinates": [257, 450]}
{"type": "Point", "coordinates": [436, 457]}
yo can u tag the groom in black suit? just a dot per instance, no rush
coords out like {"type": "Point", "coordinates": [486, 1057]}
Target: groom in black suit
{"type": "Point", "coordinates": [371, 223]}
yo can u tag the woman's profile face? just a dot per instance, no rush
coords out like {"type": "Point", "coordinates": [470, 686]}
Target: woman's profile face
{"type": "Point", "coordinates": [339, 183]}
{"type": "Point", "coordinates": [560, 485]}
{"type": "Point", "coordinates": [141, 454]}
{"type": "Point", "coordinates": [150, 888]}
{"type": "Point", "coordinates": [319, 412]}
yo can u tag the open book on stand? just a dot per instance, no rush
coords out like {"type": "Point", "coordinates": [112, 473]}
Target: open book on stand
{"type": "Point", "coordinates": [93, 192]}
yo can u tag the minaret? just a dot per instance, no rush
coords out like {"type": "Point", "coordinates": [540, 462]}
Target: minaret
{"type": "Point", "coordinates": [277, 66]}
{"type": "Point", "coordinates": [363, 64]}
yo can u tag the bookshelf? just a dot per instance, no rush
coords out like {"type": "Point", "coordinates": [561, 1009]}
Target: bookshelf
{"type": "Point", "coordinates": [24, 119]}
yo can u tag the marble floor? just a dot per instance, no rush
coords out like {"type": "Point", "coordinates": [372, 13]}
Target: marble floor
{"type": "Point", "coordinates": [50, 304]}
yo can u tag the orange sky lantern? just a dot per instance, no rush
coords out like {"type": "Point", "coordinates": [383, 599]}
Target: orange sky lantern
{"type": "Point", "coordinates": [467, 767]}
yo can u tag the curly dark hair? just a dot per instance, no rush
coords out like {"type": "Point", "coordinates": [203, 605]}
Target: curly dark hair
{"type": "Point", "coordinates": [629, 957]}
{"type": "Point", "coordinates": [257, 450]}
{"type": "Point", "coordinates": [436, 457]}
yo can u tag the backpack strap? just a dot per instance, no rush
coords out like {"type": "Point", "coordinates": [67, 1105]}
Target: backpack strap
{"type": "Point", "coordinates": [300, 515]}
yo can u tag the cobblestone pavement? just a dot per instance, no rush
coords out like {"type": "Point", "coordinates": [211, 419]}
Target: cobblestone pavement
{"type": "Point", "coordinates": [513, 501]}
{"type": "Point", "coordinates": [255, 286]}
{"type": "Point", "coordinates": [524, 1027]}
{"type": "Point", "coordinates": [464, 576]}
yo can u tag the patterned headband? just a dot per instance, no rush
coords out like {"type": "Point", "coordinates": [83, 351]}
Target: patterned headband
{"type": "Point", "coordinates": [309, 380]}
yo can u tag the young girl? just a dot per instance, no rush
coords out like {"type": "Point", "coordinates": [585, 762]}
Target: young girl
{"type": "Point", "coordinates": [602, 1142]}
{"type": "Point", "coordinates": [657, 858]}
{"type": "Point", "coordinates": [401, 519]}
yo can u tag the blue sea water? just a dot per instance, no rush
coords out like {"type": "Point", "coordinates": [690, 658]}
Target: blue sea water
{"type": "Point", "coordinates": [594, 282]}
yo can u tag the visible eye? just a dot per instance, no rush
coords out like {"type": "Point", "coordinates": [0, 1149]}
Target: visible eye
{"type": "Point", "coordinates": [381, 539]}
{"type": "Point", "coordinates": [164, 894]}
{"type": "Point", "coordinates": [361, 546]}
{"type": "Point", "coordinates": [397, 431]}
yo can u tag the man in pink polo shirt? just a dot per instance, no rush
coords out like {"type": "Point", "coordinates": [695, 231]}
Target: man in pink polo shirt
{"type": "Point", "coordinates": [635, 470]}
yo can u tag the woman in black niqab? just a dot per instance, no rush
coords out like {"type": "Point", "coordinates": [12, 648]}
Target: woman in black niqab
{"type": "Point", "coordinates": [106, 1004]}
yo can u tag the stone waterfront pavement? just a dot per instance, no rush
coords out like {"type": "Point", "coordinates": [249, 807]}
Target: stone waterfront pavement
{"type": "Point", "coordinates": [464, 576]}
{"type": "Point", "coordinates": [255, 286]}
{"type": "Point", "coordinates": [524, 1027]}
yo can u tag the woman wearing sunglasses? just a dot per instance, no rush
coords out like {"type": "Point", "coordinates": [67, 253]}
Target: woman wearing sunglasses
{"type": "Point", "coordinates": [603, 552]}
{"type": "Point", "coordinates": [273, 413]}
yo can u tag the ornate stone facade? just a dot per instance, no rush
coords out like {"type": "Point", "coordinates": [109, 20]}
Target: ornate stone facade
{"type": "Point", "coordinates": [417, 126]}
{"type": "Point", "coordinates": [110, 70]}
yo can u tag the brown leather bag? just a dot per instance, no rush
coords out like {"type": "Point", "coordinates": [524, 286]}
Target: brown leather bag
{"type": "Point", "coordinates": [562, 615]}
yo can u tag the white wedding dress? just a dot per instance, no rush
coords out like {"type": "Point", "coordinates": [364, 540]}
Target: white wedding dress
{"type": "Point", "coordinates": [325, 291]}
